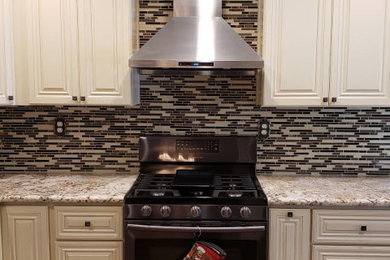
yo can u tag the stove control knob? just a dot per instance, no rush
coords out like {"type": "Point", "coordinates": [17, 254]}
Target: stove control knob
{"type": "Point", "coordinates": [226, 212]}
{"type": "Point", "coordinates": [245, 212]}
{"type": "Point", "coordinates": [195, 211]}
{"type": "Point", "coordinates": [146, 211]}
{"type": "Point", "coordinates": [165, 211]}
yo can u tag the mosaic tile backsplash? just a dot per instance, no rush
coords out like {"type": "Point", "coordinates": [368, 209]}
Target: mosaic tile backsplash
{"type": "Point", "coordinates": [347, 141]}
{"type": "Point", "coordinates": [98, 139]}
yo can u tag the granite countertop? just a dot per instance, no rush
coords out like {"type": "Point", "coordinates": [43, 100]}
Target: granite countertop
{"type": "Point", "coordinates": [326, 191]}
{"type": "Point", "coordinates": [65, 188]}
{"type": "Point", "coordinates": [281, 191]}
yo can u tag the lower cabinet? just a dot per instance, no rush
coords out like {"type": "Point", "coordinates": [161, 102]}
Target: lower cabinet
{"type": "Point", "coordinates": [351, 253]}
{"type": "Point", "coordinates": [25, 232]}
{"type": "Point", "coordinates": [87, 233]}
{"type": "Point", "coordinates": [289, 234]}
{"type": "Point", "coordinates": [88, 250]}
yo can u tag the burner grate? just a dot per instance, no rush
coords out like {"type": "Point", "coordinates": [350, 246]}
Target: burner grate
{"type": "Point", "coordinates": [234, 182]}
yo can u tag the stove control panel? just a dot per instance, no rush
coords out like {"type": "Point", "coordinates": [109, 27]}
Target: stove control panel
{"type": "Point", "coordinates": [196, 212]}
{"type": "Point", "coordinates": [198, 145]}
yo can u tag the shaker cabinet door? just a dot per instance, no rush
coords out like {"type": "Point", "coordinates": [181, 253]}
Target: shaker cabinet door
{"type": "Point", "coordinates": [46, 50]}
{"type": "Point", "coordinates": [297, 35]}
{"type": "Point", "coordinates": [105, 47]}
{"type": "Point", "coordinates": [360, 62]}
{"type": "Point", "coordinates": [6, 54]}
{"type": "Point", "coordinates": [289, 234]}
{"type": "Point", "coordinates": [25, 232]}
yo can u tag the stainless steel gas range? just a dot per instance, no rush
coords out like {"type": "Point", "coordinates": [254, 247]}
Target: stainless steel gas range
{"type": "Point", "coordinates": [196, 189]}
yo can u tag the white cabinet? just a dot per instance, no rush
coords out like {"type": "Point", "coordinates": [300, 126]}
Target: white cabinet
{"type": "Point", "coordinates": [88, 250]}
{"type": "Point", "coordinates": [105, 47]}
{"type": "Point", "coordinates": [296, 52]}
{"type": "Point", "coordinates": [87, 233]}
{"type": "Point", "coordinates": [25, 232]}
{"type": "Point", "coordinates": [52, 51]}
{"type": "Point", "coordinates": [6, 54]}
{"type": "Point", "coordinates": [358, 227]}
{"type": "Point", "coordinates": [289, 234]}
{"type": "Point", "coordinates": [73, 52]}
{"type": "Point", "coordinates": [360, 66]}
{"type": "Point", "coordinates": [324, 52]}
{"type": "Point", "coordinates": [350, 253]}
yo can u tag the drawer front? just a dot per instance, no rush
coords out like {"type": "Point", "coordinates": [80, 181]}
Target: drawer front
{"type": "Point", "coordinates": [88, 250]}
{"type": "Point", "coordinates": [351, 253]}
{"type": "Point", "coordinates": [88, 223]}
{"type": "Point", "coordinates": [351, 227]}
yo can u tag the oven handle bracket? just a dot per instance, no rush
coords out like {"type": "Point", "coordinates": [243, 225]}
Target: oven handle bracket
{"type": "Point", "coordinates": [196, 229]}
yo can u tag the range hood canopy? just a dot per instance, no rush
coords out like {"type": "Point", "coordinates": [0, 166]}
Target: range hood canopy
{"type": "Point", "coordinates": [197, 37]}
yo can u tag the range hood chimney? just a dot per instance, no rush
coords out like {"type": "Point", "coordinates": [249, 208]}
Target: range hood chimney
{"type": "Point", "coordinates": [197, 38]}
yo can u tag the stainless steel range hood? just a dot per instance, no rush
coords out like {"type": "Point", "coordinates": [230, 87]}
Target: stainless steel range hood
{"type": "Point", "coordinates": [197, 37]}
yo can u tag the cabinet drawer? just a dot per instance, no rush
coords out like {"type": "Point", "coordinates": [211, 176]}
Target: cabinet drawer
{"type": "Point", "coordinates": [88, 250]}
{"type": "Point", "coordinates": [88, 223]}
{"type": "Point", "coordinates": [351, 227]}
{"type": "Point", "coordinates": [351, 253]}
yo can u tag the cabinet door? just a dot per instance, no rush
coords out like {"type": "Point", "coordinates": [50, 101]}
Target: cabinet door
{"type": "Point", "coordinates": [289, 234]}
{"type": "Point", "coordinates": [6, 56]}
{"type": "Point", "coordinates": [105, 47]}
{"type": "Point", "coordinates": [361, 52]}
{"type": "Point", "coordinates": [25, 233]}
{"type": "Point", "coordinates": [46, 39]}
{"type": "Point", "coordinates": [297, 35]}
{"type": "Point", "coordinates": [88, 250]}
{"type": "Point", "coordinates": [351, 253]}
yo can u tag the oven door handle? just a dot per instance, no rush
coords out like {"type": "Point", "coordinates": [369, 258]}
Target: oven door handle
{"type": "Point", "coordinates": [196, 229]}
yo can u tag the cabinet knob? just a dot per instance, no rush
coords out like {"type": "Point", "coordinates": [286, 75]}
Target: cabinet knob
{"type": "Point", "coordinates": [363, 228]}
{"type": "Point", "coordinates": [334, 99]}
{"type": "Point", "coordinates": [10, 98]}
{"type": "Point", "coordinates": [290, 214]}
{"type": "Point", "coordinates": [325, 99]}
{"type": "Point", "coordinates": [74, 98]}
{"type": "Point", "coordinates": [87, 223]}
{"type": "Point", "coordinates": [82, 98]}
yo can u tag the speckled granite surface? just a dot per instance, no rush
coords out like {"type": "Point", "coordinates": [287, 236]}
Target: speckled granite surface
{"type": "Point", "coordinates": [65, 188]}
{"type": "Point", "coordinates": [311, 191]}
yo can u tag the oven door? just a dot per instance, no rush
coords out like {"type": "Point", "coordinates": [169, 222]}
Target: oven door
{"type": "Point", "coordinates": [173, 240]}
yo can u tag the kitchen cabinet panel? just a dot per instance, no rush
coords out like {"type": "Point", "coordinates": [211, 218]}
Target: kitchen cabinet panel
{"type": "Point", "coordinates": [296, 52]}
{"type": "Point", "coordinates": [351, 227]}
{"type": "Point", "coordinates": [6, 54]}
{"type": "Point", "coordinates": [88, 250]}
{"type": "Point", "coordinates": [88, 223]}
{"type": "Point", "coordinates": [51, 50]}
{"type": "Point", "coordinates": [360, 60]}
{"type": "Point", "coordinates": [289, 234]}
{"type": "Point", "coordinates": [350, 252]}
{"type": "Point", "coordinates": [25, 232]}
{"type": "Point", "coordinates": [105, 47]}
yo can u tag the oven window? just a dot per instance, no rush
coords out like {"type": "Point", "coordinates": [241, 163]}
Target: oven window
{"type": "Point", "coordinates": [176, 249]}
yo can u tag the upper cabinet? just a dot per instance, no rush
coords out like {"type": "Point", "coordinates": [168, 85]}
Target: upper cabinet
{"type": "Point", "coordinates": [297, 37]}
{"type": "Point", "coordinates": [73, 52]}
{"type": "Point", "coordinates": [324, 52]}
{"type": "Point", "coordinates": [6, 54]}
{"type": "Point", "coordinates": [360, 70]}
{"type": "Point", "coordinates": [105, 48]}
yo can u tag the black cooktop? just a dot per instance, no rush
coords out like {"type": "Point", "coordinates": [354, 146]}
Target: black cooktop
{"type": "Point", "coordinates": [196, 187]}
